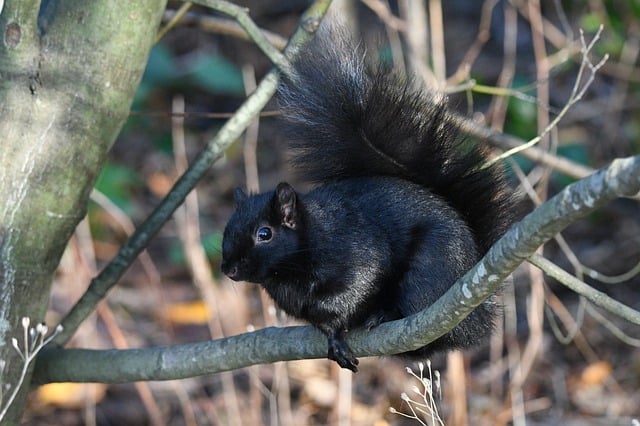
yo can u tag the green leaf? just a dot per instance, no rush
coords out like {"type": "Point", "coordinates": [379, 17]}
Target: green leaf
{"type": "Point", "coordinates": [160, 70]}
{"type": "Point", "coordinates": [117, 182]}
{"type": "Point", "coordinates": [212, 244]}
{"type": "Point", "coordinates": [521, 118]}
{"type": "Point", "coordinates": [216, 75]}
{"type": "Point", "coordinates": [590, 22]}
{"type": "Point", "coordinates": [161, 67]}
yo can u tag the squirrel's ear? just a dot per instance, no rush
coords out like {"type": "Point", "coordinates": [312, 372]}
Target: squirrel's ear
{"type": "Point", "coordinates": [285, 198]}
{"type": "Point", "coordinates": [239, 195]}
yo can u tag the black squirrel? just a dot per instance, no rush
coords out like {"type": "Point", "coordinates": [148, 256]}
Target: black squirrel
{"type": "Point", "coordinates": [403, 206]}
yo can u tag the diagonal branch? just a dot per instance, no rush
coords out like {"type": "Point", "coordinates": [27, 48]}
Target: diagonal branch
{"type": "Point", "coordinates": [620, 179]}
{"type": "Point", "coordinates": [597, 297]}
{"type": "Point", "coordinates": [259, 38]}
{"type": "Point", "coordinates": [231, 130]}
{"type": "Point", "coordinates": [221, 26]}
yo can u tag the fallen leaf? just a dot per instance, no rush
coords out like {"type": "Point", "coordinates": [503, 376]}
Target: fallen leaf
{"type": "Point", "coordinates": [71, 395]}
{"type": "Point", "coordinates": [187, 313]}
{"type": "Point", "coordinates": [596, 373]}
{"type": "Point", "coordinates": [160, 184]}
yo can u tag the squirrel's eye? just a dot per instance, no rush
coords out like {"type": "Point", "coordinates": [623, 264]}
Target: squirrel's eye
{"type": "Point", "coordinates": [264, 234]}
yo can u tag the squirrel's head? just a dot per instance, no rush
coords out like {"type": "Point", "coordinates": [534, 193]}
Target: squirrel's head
{"type": "Point", "coordinates": [263, 237]}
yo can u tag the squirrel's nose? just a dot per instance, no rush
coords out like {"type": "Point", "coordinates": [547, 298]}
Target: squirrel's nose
{"type": "Point", "coordinates": [230, 271]}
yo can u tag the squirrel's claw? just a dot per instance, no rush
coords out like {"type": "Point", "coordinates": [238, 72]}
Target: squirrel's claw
{"type": "Point", "coordinates": [340, 352]}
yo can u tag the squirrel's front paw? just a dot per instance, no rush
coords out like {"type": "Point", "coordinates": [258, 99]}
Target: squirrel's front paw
{"type": "Point", "coordinates": [375, 320]}
{"type": "Point", "coordinates": [340, 352]}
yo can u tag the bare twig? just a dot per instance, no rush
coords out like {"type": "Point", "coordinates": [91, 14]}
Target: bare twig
{"type": "Point", "coordinates": [121, 218]}
{"type": "Point", "coordinates": [615, 279]}
{"type": "Point", "coordinates": [381, 9]}
{"type": "Point", "coordinates": [241, 15]}
{"type": "Point", "coordinates": [251, 136]}
{"type": "Point", "coordinates": [227, 134]}
{"type": "Point", "coordinates": [551, 33]}
{"type": "Point", "coordinates": [436, 25]}
{"type": "Point", "coordinates": [415, 14]}
{"type": "Point", "coordinates": [221, 26]}
{"type": "Point", "coordinates": [173, 21]}
{"type": "Point", "coordinates": [505, 141]}
{"type": "Point", "coordinates": [578, 91]}
{"type": "Point", "coordinates": [484, 28]}
{"type": "Point", "coordinates": [572, 326]}
{"type": "Point", "coordinates": [456, 391]}
{"type": "Point", "coordinates": [615, 330]}
{"type": "Point", "coordinates": [596, 297]}
{"type": "Point", "coordinates": [188, 224]}
{"type": "Point", "coordinates": [499, 104]}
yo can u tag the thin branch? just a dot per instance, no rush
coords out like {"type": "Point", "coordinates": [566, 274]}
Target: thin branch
{"type": "Point", "coordinates": [436, 26]}
{"type": "Point", "coordinates": [240, 14]}
{"type": "Point", "coordinates": [620, 179]}
{"type": "Point", "coordinates": [577, 93]}
{"type": "Point", "coordinates": [197, 114]}
{"type": "Point", "coordinates": [175, 18]}
{"type": "Point", "coordinates": [231, 130]}
{"type": "Point", "coordinates": [418, 40]}
{"type": "Point", "coordinates": [612, 279]}
{"type": "Point", "coordinates": [551, 33]}
{"type": "Point", "coordinates": [596, 297]}
{"type": "Point", "coordinates": [121, 219]}
{"type": "Point", "coordinates": [505, 141]}
{"type": "Point", "coordinates": [556, 308]}
{"type": "Point", "coordinates": [222, 26]}
{"type": "Point", "coordinates": [188, 225]}
{"type": "Point", "coordinates": [385, 14]}
{"type": "Point", "coordinates": [501, 92]}
{"type": "Point", "coordinates": [482, 36]}
{"type": "Point", "coordinates": [614, 329]}
{"type": "Point", "coordinates": [250, 145]}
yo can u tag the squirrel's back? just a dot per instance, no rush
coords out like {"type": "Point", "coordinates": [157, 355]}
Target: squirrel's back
{"type": "Point", "coordinates": [347, 119]}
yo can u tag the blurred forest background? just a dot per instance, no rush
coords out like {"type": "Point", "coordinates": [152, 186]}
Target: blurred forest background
{"type": "Point", "coordinates": [553, 359]}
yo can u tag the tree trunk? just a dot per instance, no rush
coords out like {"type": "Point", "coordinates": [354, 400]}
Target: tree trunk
{"type": "Point", "coordinates": [68, 74]}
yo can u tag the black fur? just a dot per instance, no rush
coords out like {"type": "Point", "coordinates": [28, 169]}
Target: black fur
{"type": "Point", "coordinates": [402, 210]}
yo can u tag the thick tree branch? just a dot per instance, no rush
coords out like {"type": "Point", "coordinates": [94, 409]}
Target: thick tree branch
{"type": "Point", "coordinates": [620, 179]}
{"type": "Point", "coordinates": [231, 130]}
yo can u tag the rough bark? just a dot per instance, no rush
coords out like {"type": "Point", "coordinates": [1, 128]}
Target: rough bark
{"type": "Point", "coordinates": [67, 78]}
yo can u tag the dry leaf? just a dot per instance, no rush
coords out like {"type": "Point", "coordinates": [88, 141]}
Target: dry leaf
{"type": "Point", "coordinates": [71, 395]}
{"type": "Point", "coordinates": [187, 313]}
{"type": "Point", "coordinates": [160, 184]}
{"type": "Point", "coordinates": [596, 373]}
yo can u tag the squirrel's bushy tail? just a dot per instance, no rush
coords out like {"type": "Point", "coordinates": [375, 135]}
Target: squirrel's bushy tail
{"type": "Point", "coordinates": [344, 118]}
